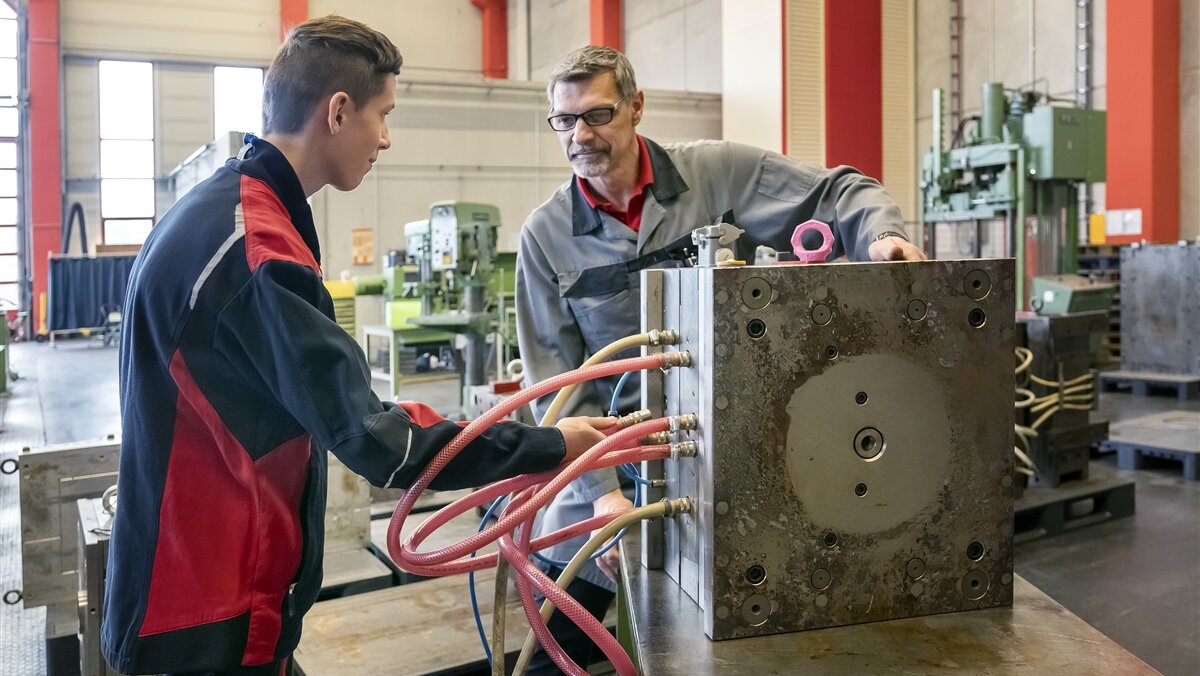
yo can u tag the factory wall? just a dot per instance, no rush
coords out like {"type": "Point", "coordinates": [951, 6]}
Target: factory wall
{"type": "Point", "coordinates": [234, 32]}
{"type": "Point", "coordinates": [997, 47]}
{"type": "Point", "coordinates": [752, 53]}
{"type": "Point", "coordinates": [455, 135]}
{"type": "Point", "coordinates": [673, 44]}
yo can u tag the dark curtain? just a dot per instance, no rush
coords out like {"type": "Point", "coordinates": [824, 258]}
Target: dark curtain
{"type": "Point", "coordinates": [82, 289]}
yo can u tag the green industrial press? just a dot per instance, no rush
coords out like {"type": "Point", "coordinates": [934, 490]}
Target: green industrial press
{"type": "Point", "coordinates": [1023, 163]}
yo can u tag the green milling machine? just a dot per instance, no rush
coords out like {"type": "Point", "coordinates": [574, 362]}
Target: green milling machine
{"type": "Point", "coordinates": [451, 280]}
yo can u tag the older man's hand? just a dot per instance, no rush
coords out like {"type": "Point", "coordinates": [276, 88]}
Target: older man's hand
{"type": "Point", "coordinates": [894, 249]}
{"type": "Point", "coordinates": [615, 502]}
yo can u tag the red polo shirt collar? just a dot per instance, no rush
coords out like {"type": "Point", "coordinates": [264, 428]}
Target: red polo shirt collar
{"type": "Point", "coordinates": [633, 216]}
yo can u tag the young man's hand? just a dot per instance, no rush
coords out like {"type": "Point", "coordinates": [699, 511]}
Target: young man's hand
{"type": "Point", "coordinates": [894, 249]}
{"type": "Point", "coordinates": [609, 503]}
{"type": "Point", "coordinates": [581, 433]}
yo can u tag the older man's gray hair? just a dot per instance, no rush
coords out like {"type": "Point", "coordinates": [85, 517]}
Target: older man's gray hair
{"type": "Point", "coordinates": [586, 63]}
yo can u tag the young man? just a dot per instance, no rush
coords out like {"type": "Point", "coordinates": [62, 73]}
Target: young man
{"type": "Point", "coordinates": [235, 381]}
{"type": "Point", "coordinates": [632, 204]}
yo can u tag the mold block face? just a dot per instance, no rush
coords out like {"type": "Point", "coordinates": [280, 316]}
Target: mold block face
{"type": "Point", "coordinates": [856, 434]}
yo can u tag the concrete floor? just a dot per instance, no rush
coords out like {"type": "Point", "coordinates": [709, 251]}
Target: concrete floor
{"type": "Point", "coordinates": [1136, 580]}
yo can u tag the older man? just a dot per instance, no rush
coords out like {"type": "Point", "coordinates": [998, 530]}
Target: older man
{"type": "Point", "coordinates": [632, 204]}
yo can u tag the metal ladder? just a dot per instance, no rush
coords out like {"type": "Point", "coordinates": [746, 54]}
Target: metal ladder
{"type": "Point", "coordinates": [956, 23]}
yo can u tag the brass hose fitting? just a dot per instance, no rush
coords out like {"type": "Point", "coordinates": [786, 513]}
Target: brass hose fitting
{"type": "Point", "coordinates": [655, 439]}
{"type": "Point", "coordinates": [684, 449]}
{"type": "Point", "coordinates": [677, 359]}
{"type": "Point", "coordinates": [634, 418]}
{"type": "Point", "coordinates": [676, 506]}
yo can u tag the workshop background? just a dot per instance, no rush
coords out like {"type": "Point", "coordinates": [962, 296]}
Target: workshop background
{"type": "Point", "coordinates": [111, 109]}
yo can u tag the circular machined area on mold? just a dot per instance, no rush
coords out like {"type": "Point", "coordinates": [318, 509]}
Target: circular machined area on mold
{"type": "Point", "coordinates": [908, 464]}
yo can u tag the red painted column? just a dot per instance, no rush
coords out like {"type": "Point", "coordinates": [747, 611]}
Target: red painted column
{"type": "Point", "coordinates": [44, 202]}
{"type": "Point", "coordinates": [606, 23]}
{"type": "Point", "coordinates": [291, 12]}
{"type": "Point", "coordinates": [495, 37]}
{"type": "Point", "coordinates": [1143, 116]}
{"type": "Point", "coordinates": [854, 85]}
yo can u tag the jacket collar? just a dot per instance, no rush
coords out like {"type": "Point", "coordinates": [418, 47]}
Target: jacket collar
{"type": "Point", "coordinates": [667, 185]}
{"type": "Point", "coordinates": [259, 159]}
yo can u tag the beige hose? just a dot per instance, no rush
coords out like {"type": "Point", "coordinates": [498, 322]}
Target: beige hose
{"type": "Point", "coordinates": [658, 509]}
{"type": "Point", "coordinates": [499, 615]}
{"type": "Point", "coordinates": [560, 400]}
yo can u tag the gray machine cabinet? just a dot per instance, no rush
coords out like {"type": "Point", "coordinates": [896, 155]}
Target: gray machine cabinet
{"type": "Point", "coordinates": [1160, 309]}
{"type": "Point", "coordinates": [1061, 346]}
{"type": "Point", "coordinates": [52, 480]}
{"type": "Point", "coordinates": [855, 440]}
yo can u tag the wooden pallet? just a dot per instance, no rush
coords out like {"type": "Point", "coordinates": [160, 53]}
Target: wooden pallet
{"type": "Point", "coordinates": [1042, 512]}
{"type": "Point", "coordinates": [1143, 383]}
{"type": "Point", "coordinates": [458, 528]}
{"type": "Point", "coordinates": [383, 501]}
{"type": "Point", "coordinates": [1174, 435]}
{"type": "Point", "coordinates": [422, 628]}
{"type": "Point", "coordinates": [353, 570]}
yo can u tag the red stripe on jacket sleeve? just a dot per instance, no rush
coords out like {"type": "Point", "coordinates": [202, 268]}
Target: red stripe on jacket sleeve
{"type": "Point", "coordinates": [423, 415]}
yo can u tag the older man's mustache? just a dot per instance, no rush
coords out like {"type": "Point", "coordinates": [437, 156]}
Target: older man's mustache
{"type": "Point", "coordinates": [576, 150]}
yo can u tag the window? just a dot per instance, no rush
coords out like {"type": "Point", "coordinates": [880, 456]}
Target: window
{"type": "Point", "coordinates": [126, 151]}
{"type": "Point", "coordinates": [10, 172]}
{"type": "Point", "coordinates": [237, 100]}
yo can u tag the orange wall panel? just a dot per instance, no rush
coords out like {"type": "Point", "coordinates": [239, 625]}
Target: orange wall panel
{"type": "Point", "coordinates": [1143, 115]}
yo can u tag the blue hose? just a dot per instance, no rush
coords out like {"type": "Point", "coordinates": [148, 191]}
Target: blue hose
{"type": "Point", "coordinates": [637, 502]}
{"type": "Point", "coordinates": [612, 407]}
{"type": "Point", "coordinates": [628, 469]}
{"type": "Point", "coordinates": [487, 649]}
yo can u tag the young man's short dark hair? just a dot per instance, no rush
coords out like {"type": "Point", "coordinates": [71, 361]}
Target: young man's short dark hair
{"type": "Point", "coordinates": [320, 57]}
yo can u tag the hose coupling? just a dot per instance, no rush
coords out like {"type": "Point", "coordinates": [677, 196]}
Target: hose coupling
{"type": "Point", "coordinates": [658, 483]}
{"type": "Point", "coordinates": [684, 449]}
{"type": "Point", "coordinates": [677, 359]}
{"type": "Point", "coordinates": [683, 423]}
{"type": "Point", "coordinates": [655, 439]}
{"type": "Point", "coordinates": [676, 506]}
{"type": "Point", "coordinates": [634, 418]}
{"type": "Point", "coordinates": [664, 337]}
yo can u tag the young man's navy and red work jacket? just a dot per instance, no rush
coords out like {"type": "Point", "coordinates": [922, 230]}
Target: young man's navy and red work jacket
{"type": "Point", "coordinates": [235, 381]}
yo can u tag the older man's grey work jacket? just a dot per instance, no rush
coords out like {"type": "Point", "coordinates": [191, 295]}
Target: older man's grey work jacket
{"type": "Point", "coordinates": [578, 269]}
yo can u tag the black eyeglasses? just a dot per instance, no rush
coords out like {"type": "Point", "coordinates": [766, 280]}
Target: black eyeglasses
{"type": "Point", "coordinates": [596, 117]}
